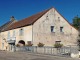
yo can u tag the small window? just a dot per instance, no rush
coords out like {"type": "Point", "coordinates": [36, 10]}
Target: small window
{"type": "Point", "coordinates": [46, 16]}
{"type": "Point", "coordinates": [21, 32]}
{"type": "Point", "coordinates": [58, 42]}
{"type": "Point", "coordinates": [58, 18]}
{"type": "Point", "coordinates": [28, 42]}
{"type": "Point", "coordinates": [52, 28]}
{"type": "Point", "coordinates": [61, 29]}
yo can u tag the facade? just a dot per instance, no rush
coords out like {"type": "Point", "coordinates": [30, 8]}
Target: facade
{"type": "Point", "coordinates": [47, 27]}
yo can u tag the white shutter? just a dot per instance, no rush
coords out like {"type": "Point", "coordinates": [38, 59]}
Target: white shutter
{"type": "Point", "coordinates": [8, 34]}
{"type": "Point", "coordinates": [19, 32]}
{"type": "Point", "coordinates": [23, 31]}
{"type": "Point", "coordinates": [13, 33]}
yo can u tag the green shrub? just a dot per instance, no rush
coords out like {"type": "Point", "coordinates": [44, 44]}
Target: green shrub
{"type": "Point", "coordinates": [29, 44]}
{"type": "Point", "coordinates": [40, 44]}
{"type": "Point", "coordinates": [58, 45]}
{"type": "Point", "coordinates": [17, 45]}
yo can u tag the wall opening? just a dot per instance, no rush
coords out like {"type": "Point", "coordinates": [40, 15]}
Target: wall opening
{"type": "Point", "coordinates": [21, 42]}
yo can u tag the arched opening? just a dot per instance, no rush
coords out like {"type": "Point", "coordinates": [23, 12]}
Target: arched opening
{"type": "Point", "coordinates": [21, 42]}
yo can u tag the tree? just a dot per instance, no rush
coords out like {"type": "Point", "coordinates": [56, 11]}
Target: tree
{"type": "Point", "coordinates": [78, 40]}
{"type": "Point", "coordinates": [76, 22]}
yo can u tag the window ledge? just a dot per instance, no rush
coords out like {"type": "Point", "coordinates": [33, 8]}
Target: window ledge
{"type": "Point", "coordinates": [61, 32]}
{"type": "Point", "coordinates": [52, 32]}
{"type": "Point", "coordinates": [21, 35]}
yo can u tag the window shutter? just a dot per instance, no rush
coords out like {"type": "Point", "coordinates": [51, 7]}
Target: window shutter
{"type": "Point", "coordinates": [23, 31]}
{"type": "Point", "coordinates": [8, 34]}
{"type": "Point", "coordinates": [62, 29]}
{"type": "Point", "coordinates": [13, 33]}
{"type": "Point", "coordinates": [19, 32]}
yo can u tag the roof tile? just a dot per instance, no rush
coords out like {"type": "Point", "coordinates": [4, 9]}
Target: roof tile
{"type": "Point", "coordinates": [31, 20]}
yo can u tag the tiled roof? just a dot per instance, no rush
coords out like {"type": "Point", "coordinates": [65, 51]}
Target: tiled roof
{"type": "Point", "coordinates": [6, 25]}
{"type": "Point", "coordinates": [30, 20]}
{"type": "Point", "coordinates": [27, 21]}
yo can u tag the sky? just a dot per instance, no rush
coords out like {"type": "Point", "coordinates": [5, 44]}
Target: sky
{"type": "Point", "coordinates": [21, 9]}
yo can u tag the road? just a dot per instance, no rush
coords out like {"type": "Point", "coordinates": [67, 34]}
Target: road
{"type": "Point", "coordinates": [30, 56]}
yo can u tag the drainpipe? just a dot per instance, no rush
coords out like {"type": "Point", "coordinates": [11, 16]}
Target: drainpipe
{"type": "Point", "coordinates": [32, 33]}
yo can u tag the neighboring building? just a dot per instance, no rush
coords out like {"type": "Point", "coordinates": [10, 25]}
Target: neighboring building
{"type": "Point", "coordinates": [47, 27]}
{"type": "Point", "coordinates": [12, 20]}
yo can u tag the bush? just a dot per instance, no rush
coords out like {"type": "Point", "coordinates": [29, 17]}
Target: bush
{"type": "Point", "coordinates": [58, 45]}
{"type": "Point", "coordinates": [17, 45]}
{"type": "Point", "coordinates": [79, 49]}
{"type": "Point", "coordinates": [40, 44]}
{"type": "Point", "coordinates": [29, 44]}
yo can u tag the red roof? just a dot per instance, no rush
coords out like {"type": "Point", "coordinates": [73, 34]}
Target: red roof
{"type": "Point", "coordinates": [30, 20]}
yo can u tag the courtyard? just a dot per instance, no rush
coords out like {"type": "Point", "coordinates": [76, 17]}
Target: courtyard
{"type": "Point", "coordinates": [4, 55]}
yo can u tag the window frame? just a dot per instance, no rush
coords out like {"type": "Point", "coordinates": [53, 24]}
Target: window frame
{"type": "Point", "coordinates": [21, 32]}
{"type": "Point", "coordinates": [28, 42]}
{"type": "Point", "coordinates": [8, 34]}
{"type": "Point", "coordinates": [14, 33]}
{"type": "Point", "coordinates": [52, 29]}
{"type": "Point", "coordinates": [58, 42]}
{"type": "Point", "coordinates": [61, 29]}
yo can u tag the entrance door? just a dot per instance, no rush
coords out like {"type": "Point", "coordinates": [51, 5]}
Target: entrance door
{"type": "Point", "coordinates": [3, 46]}
{"type": "Point", "coordinates": [11, 47]}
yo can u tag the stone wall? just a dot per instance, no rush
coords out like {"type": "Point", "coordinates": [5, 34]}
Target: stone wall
{"type": "Point", "coordinates": [42, 30]}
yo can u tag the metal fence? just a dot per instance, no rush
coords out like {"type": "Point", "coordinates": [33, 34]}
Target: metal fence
{"type": "Point", "coordinates": [63, 51]}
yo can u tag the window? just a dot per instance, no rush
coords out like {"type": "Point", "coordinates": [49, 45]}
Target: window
{"type": "Point", "coordinates": [58, 18]}
{"type": "Point", "coordinates": [52, 28]}
{"type": "Point", "coordinates": [21, 32]}
{"type": "Point", "coordinates": [13, 33]}
{"type": "Point", "coordinates": [8, 34]}
{"type": "Point", "coordinates": [46, 16]}
{"type": "Point", "coordinates": [61, 29]}
{"type": "Point", "coordinates": [2, 36]}
{"type": "Point", "coordinates": [28, 42]}
{"type": "Point", "coordinates": [58, 42]}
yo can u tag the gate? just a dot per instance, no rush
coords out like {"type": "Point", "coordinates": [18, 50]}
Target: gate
{"type": "Point", "coordinates": [63, 51]}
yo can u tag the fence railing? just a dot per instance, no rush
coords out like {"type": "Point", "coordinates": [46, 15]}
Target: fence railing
{"type": "Point", "coordinates": [63, 51]}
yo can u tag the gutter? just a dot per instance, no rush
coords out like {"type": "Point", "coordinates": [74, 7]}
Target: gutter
{"type": "Point", "coordinates": [32, 33]}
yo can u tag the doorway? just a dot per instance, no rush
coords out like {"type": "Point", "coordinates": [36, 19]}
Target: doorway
{"type": "Point", "coordinates": [21, 42]}
{"type": "Point", "coordinates": [11, 45]}
{"type": "Point", "coordinates": [3, 46]}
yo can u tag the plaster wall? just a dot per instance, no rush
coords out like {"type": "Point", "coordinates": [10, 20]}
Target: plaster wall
{"type": "Point", "coordinates": [26, 37]}
{"type": "Point", "coordinates": [42, 30]}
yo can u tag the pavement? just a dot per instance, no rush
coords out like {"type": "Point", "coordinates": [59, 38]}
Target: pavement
{"type": "Point", "coordinates": [4, 55]}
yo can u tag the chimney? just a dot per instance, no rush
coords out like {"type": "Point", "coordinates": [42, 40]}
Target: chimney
{"type": "Point", "coordinates": [12, 17]}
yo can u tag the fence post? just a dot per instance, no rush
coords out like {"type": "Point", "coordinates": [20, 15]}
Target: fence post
{"type": "Point", "coordinates": [57, 51]}
{"type": "Point", "coordinates": [60, 51]}
{"type": "Point", "coordinates": [70, 51]}
{"type": "Point", "coordinates": [51, 50]}
{"type": "Point", "coordinates": [64, 50]}
{"type": "Point", "coordinates": [36, 49]}
{"type": "Point", "coordinates": [44, 50]}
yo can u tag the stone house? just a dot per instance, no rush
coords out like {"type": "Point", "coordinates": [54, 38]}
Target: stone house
{"type": "Point", "coordinates": [48, 27]}
{"type": "Point", "coordinates": [12, 20]}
